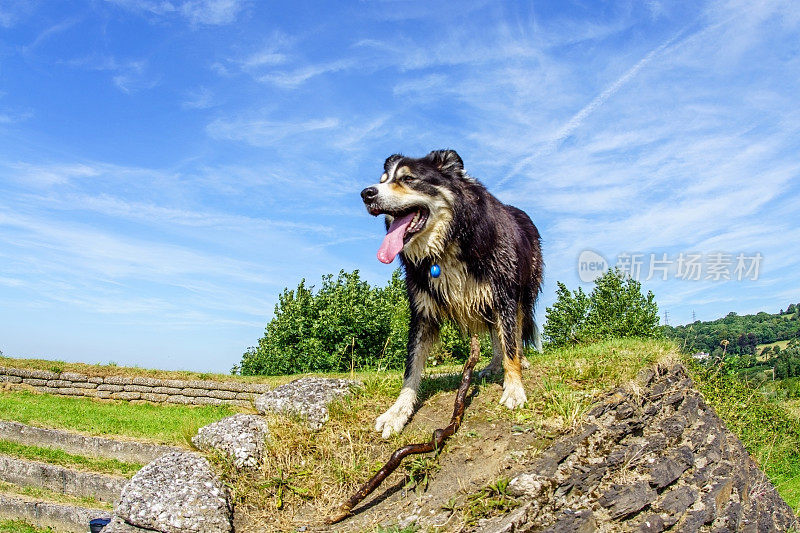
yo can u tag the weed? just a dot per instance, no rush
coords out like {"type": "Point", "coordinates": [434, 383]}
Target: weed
{"type": "Point", "coordinates": [418, 472]}
{"type": "Point", "coordinates": [489, 501]}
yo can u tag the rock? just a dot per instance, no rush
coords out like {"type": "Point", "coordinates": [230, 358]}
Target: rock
{"type": "Point", "coordinates": [307, 397]}
{"type": "Point", "coordinates": [240, 438]}
{"type": "Point", "coordinates": [651, 460]}
{"type": "Point", "coordinates": [570, 521]}
{"type": "Point", "coordinates": [622, 500]}
{"type": "Point", "coordinates": [176, 493]}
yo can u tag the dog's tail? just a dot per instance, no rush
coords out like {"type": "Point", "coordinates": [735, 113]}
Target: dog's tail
{"type": "Point", "coordinates": [531, 335]}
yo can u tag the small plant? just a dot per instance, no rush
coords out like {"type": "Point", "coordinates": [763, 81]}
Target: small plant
{"type": "Point", "coordinates": [56, 369]}
{"type": "Point", "coordinates": [419, 470]}
{"type": "Point", "coordinates": [489, 501]}
{"type": "Point", "coordinates": [280, 483]}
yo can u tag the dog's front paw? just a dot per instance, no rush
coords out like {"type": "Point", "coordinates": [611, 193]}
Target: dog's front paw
{"type": "Point", "coordinates": [513, 395]}
{"type": "Point", "coordinates": [393, 420]}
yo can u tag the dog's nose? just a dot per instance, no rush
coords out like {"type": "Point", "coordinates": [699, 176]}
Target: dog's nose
{"type": "Point", "coordinates": [369, 194]}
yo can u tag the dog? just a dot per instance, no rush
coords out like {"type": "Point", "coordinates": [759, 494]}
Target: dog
{"type": "Point", "coordinates": [467, 257]}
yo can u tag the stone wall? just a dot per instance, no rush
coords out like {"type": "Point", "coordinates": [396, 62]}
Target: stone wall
{"type": "Point", "coordinates": [175, 391]}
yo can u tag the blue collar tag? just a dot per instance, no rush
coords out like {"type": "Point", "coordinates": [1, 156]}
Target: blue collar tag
{"type": "Point", "coordinates": [435, 271]}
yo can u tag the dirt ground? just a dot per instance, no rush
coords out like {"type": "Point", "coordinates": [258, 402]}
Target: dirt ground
{"type": "Point", "coordinates": [484, 450]}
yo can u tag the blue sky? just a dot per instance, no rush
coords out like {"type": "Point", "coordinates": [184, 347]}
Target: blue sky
{"type": "Point", "coordinates": [167, 167]}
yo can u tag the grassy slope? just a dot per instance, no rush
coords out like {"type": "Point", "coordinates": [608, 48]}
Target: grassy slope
{"type": "Point", "coordinates": [308, 473]}
{"type": "Point", "coordinates": [169, 424]}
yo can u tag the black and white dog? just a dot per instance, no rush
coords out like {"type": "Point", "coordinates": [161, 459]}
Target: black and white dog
{"type": "Point", "coordinates": [467, 257]}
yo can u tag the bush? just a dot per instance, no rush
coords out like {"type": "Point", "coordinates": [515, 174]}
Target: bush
{"type": "Point", "coordinates": [345, 324]}
{"type": "Point", "coordinates": [615, 308]}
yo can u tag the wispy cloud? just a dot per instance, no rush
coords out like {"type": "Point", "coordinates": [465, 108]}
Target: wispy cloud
{"type": "Point", "coordinates": [129, 76]}
{"type": "Point", "coordinates": [202, 98]}
{"type": "Point", "coordinates": [197, 12]}
{"type": "Point", "coordinates": [259, 132]}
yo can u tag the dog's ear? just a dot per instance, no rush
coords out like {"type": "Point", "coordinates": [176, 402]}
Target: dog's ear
{"type": "Point", "coordinates": [391, 160]}
{"type": "Point", "coordinates": [446, 161]}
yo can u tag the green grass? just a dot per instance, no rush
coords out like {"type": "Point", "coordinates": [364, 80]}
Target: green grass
{"type": "Point", "coordinates": [169, 424]}
{"type": "Point", "coordinates": [61, 458]}
{"type": "Point", "coordinates": [769, 431]}
{"type": "Point", "coordinates": [53, 496]}
{"type": "Point", "coordinates": [19, 526]}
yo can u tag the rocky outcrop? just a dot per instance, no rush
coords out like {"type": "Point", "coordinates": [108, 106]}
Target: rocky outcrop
{"type": "Point", "coordinates": [240, 438]}
{"type": "Point", "coordinates": [306, 397]}
{"type": "Point", "coordinates": [174, 494]}
{"type": "Point", "coordinates": [650, 460]}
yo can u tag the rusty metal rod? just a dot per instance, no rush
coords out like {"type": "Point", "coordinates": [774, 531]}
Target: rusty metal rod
{"type": "Point", "coordinates": [438, 439]}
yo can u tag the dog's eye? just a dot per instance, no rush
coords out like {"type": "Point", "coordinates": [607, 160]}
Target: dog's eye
{"type": "Point", "coordinates": [409, 177]}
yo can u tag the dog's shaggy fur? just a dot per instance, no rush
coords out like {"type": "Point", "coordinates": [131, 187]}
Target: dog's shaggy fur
{"type": "Point", "coordinates": [491, 266]}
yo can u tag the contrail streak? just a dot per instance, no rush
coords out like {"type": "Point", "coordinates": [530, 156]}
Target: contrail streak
{"type": "Point", "coordinates": [578, 118]}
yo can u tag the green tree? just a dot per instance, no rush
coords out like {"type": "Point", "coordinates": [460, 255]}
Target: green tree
{"type": "Point", "coordinates": [616, 307]}
{"type": "Point", "coordinates": [344, 324]}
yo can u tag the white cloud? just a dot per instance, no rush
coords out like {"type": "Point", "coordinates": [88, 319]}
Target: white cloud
{"type": "Point", "coordinates": [259, 132]}
{"type": "Point", "coordinates": [201, 98]}
{"type": "Point", "coordinates": [211, 12]}
{"type": "Point", "coordinates": [197, 12]}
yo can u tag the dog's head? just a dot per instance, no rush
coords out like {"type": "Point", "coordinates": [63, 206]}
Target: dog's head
{"type": "Point", "coordinates": [417, 198]}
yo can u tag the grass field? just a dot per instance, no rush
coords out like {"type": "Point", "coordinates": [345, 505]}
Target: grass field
{"type": "Point", "coordinates": [168, 424]}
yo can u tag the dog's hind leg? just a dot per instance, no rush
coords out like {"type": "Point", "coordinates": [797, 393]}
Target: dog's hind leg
{"type": "Point", "coordinates": [496, 365]}
{"type": "Point", "coordinates": [422, 334]}
{"type": "Point", "coordinates": [509, 332]}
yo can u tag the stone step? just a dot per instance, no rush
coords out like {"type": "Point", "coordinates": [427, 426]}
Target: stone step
{"type": "Point", "coordinates": [75, 443]}
{"type": "Point", "coordinates": [26, 473]}
{"type": "Point", "coordinates": [59, 516]}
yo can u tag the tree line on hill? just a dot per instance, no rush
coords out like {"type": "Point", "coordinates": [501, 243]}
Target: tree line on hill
{"type": "Point", "coordinates": [743, 333]}
{"type": "Point", "coordinates": [347, 324]}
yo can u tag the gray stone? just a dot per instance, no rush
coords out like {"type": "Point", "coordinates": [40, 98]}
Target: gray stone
{"type": "Point", "coordinates": [307, 397]}
{"type": "Point", "coordinates": [176, 493]}
{"type": "Point", "coordinates": [239, 437]}
{"type": "Point", "coordinates": [622, 500]}
{"type": "Point", "coordinates": [570, 521]}
{"type": "Point", "coordinates": [665, 470]}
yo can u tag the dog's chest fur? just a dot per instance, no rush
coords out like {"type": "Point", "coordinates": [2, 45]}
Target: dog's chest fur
{"type": "Point", "coordinates": [457, 295]}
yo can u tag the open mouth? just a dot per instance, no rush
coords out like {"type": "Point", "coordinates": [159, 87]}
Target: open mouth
{"type": "Point", "coordinates": [403, 227]}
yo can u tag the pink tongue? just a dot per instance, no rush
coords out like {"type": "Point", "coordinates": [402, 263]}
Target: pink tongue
{"type": "Point", "coordinates": [393, 242]}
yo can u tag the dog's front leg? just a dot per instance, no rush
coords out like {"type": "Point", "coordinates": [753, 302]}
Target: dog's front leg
{"type": "Point", "coordinates": [422, 334]}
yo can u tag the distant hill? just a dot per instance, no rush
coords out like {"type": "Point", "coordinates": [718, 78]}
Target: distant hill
{"type": "Point", "coordinates": [744, 333]}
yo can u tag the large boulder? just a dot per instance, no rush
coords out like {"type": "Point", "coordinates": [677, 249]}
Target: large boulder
{"type": "Point", "coordinates": [306, 397]}
{"type": "Point", "coordinates": [646, 460]}
{"type": "Point", "coordinates": [240, 438]}
{"type": "Point", "coordinates": [176, 493]}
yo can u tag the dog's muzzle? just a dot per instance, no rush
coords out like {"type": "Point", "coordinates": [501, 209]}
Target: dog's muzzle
{"type": "Point", "coordinates": [369, 194]}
